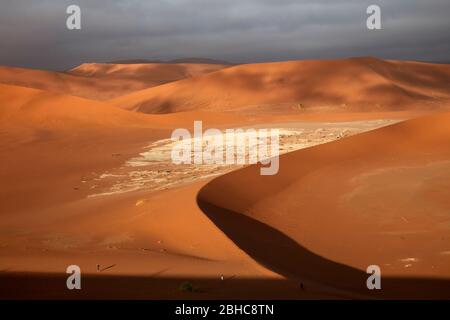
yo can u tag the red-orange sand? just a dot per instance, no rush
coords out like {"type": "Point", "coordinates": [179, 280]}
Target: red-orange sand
{"type": "Point", "coordinates": [103, 81]}
{"type": "Point", "coordinates": [378, 198]}
{"type": "Point", "coordinates": [356, 84]}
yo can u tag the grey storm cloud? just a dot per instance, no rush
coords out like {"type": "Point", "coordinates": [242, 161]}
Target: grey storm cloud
{"type": "Point", "coordinates": [34, 34]}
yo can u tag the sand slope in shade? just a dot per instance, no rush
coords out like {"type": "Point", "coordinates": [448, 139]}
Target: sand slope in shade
{"type": "Point", "coordinates": [378, 198]}
{"type": "Point", "coordinates": [364, 84]}
{"type": "Point", "coordinates": [100, 81]}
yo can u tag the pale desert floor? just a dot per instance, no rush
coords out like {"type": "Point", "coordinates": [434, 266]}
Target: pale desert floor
{"type": "Point", "coordinates": [153, 169]}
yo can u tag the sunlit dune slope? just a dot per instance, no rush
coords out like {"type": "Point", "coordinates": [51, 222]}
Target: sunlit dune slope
{"type": "Point", "coordinates": [378, 198]}
{"type": "Point", "coordinates": [363, 84]}
{"type": "Point", "coordinates": [99, 81]}
{"type": "Point", "coordinates": [21, 105]}
{"type": "Point", "coordinates": [33, 108]}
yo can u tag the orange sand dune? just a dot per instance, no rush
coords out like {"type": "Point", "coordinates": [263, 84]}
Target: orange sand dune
{"type": "Point", "coordinates": [144, 75]}
{"type": "Point", "coordinates": [49, 141]}
{"type": "Point", "coordinates": [44, 108]}
{"type": "Point", "coordinates": [99, 81]}
{"type": "Point", "coordinates": [28, 108]}
{"type": "Point", "coordinates": [51, 144]}
{"type": "Point", "coordinates": [364, 84]}
{"type": "Point", "coordinates": [378, 198]}
{"type": "Point", "coordinates": [47, 138]}
{"type": "Point", "coordinates": [148, 243]}
{"type": "Point", "coordinates": [35, 108]}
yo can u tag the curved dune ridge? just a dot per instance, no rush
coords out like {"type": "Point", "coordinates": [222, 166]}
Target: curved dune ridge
{"type": "Point", "coordinates": [364, 84]}
{"type": "Point", "coordinates": [378, 198]}
{"type": "Point", "coordinates": [102, 81]}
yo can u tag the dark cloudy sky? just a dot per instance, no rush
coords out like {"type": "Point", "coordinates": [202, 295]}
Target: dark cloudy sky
{"type": "Point", "coordinates": [34, 34]}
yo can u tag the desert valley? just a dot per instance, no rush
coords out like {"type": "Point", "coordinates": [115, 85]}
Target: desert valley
{"type": "Point", "coordinates": [86, 179]}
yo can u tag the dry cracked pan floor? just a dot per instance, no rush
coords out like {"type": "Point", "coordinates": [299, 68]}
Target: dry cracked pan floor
{"type": "Point", "coordinates": [154, 170]}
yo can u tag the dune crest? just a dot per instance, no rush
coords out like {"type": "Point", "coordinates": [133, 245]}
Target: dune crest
{"type": "Point", "coordinates": [377, 198]}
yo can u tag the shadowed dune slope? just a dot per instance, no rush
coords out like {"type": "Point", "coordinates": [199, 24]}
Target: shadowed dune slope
{"type": "Point", "coordinates": [99, 81]}
{"type": "Point", "coordinates": [363, 84]}
{"type": "Point", "coordinates": [378, 198]}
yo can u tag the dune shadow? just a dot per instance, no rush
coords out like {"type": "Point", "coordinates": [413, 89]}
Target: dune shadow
{"type": "Point", "coordinates": [281, 254]}
{"type": "Point", "coordinates": [49, 286]}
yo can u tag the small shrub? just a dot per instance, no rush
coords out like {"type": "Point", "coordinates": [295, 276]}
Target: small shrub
{"type": "Point", "coordinates": [186, 287]}
{"type": "Point", "coordinates": [300, 106]}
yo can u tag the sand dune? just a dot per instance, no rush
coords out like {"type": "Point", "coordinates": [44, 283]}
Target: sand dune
{"type": "Point", "coordinates": [49, 141]}
{"type": "Point", "coordinates": [47, 138]}
{"type": "Point", "coordinates": [375, 198]}
{"type": "Point", "coordinates": [378, 198]}
{"type": "Point", "coordinates": [53, 148]}
{"type": "Point", "coordinates": [180, 60]}
{"type": "Point", "coordinates": [364, 84]}
{"type": "Point", "coordinates": [32, 108]}
{"type": "Point", "coordinates": [144, 75]}
{"type": "Point", "coordinates": [22, 105]}
{"type": "Point", "coordinates": [103, 81]}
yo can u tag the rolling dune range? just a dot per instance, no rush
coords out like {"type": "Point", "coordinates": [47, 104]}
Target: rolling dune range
{"type": "Point", "coordinates": [379, 197]}
{"type": "Point", "coordinates": [355, 84]}
{"type": "Point", "coordinates": [103, 81]}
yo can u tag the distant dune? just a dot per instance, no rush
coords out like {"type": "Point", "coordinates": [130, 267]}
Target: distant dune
{"type": "Point", "coordinates": [131, 61]}
{"type": "Point", "coordinates": [147, 74]}
{"type": "Point", "coordinates": [355, 84]}
{"type": "Point", "coordinates": [99, 81]}
{"type": "Point", "coordinates": [181, 60]}
{"type": "Point", "coordinates": [378, 198]}
{"type": "Point", "coordinates": [199, 60]}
